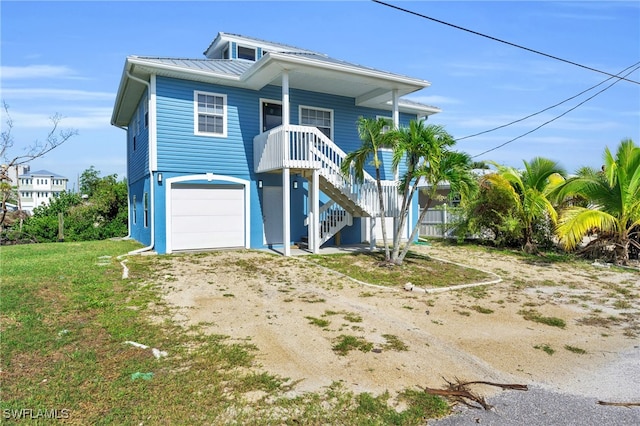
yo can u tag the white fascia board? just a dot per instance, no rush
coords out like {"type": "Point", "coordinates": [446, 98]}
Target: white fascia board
{"type": "Point", "coordinates": [413, 108]}
{"type": "Point", "coordinates": [121, 89]}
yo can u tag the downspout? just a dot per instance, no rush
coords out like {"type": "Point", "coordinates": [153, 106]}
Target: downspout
{"type": "Point", "coordinates": [151, 183]}
{"type": "Point", "coordinates": [128, 197]}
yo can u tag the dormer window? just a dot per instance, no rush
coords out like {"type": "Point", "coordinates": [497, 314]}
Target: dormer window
{"type": "Point", "coordinates": [246, 53]}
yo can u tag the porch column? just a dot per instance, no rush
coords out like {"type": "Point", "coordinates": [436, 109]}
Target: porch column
{"type": "Point", "coordinates": [286, 209]}
{"type": "Point", "coordinates": [286, 181]}
{"type": "Point", "coordinates": [396, 111]}
{"type": "Point", "coordinates": [285, 98]}
{"type": "Point", "coordinates": [372, 233]}
{"type": "Point", "coordinates": [315, 211]}
{"type": "Point", "coordinates": [396, 125]}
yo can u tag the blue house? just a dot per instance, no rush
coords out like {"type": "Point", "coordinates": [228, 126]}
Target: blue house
{"type": "Point", "coordinates": [243, 148]}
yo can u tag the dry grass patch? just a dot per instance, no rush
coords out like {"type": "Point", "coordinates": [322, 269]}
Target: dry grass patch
{"type": "Point", "coordinates": [418, 269]}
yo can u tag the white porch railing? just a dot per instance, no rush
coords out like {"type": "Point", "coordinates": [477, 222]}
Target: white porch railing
{"type": "Point", "coordinates": [305, 147]}
{"type": "Point", "coordinates": [332, 218]}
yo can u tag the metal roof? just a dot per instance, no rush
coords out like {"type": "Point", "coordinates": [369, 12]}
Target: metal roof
{"type": "Point", "coordinates": [271, 45]}
{"type": "Point", "coordinates": [45, 173]}
{"type": "Point", "coordinates": [233, 67]}
{"type": "Point", "coordinates": [307, 70]}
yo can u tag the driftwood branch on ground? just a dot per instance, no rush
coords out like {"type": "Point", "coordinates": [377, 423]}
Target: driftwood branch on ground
{"type": "Point", "coordinates": [620, 404]}
{"type": "Point", "coordinates": [459, 392]}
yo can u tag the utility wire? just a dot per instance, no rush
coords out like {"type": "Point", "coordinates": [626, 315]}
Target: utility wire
{"type": "Point", "coordinates": [501, 41]}
{"type": "Point", "coordinates": [546, 109]}
{"type": "Point", "coordinates": [555, 118]}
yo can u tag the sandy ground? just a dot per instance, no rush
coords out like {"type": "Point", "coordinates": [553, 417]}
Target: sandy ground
{"type": "Point", "coordinates": [270, 301]}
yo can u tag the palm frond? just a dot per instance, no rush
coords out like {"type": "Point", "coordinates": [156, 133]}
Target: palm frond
{"type": "Point", "coordinates": [576, 222]}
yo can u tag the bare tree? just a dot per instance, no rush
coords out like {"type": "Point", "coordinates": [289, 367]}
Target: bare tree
{"type": "Point", "coordinates": [37, 149]}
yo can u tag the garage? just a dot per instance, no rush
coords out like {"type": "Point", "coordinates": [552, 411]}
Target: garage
{"type": "Point", "coordinates": [207, 216]}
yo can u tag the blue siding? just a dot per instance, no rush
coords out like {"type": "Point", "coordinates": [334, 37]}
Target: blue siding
{"type": "Point", "coordinates": [138, 231]}
{"type": "Point", "coordinates": [138, 158]}
{"type": "Point", "coordinates": [180, 151]}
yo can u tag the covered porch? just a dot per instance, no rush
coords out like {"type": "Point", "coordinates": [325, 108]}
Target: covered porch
{"type": "Point", "coordinates": [292, 149]}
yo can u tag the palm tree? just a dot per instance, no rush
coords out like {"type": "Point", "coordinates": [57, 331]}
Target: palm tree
{"type": "Point", "coordinates": [426, 154]}
{"type": "Point", "coordinates": [530, 191]}
{"type": "Point", "coordinates": [614, 203]}
{"type": "Point", "coordinates": [454, 168]}
{"type": "Point", "coordinates": [370, 132]}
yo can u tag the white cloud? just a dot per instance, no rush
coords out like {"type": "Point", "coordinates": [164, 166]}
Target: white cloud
{"type": "Point", "coordinates": [58, 94]}
{"type": "Point", "coordinates": [85, 118]}
{"type": "Point", "coordinates": [36, 71]}
{"type": "Point", "coordinates": [434, 100]}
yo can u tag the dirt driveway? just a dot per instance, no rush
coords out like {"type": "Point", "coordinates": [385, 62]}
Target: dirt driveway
{"type": "Point", "coordinates": [295, 313]}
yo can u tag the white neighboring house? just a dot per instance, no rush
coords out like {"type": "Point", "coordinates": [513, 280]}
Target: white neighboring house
{"type": "Point", "coordinates": [38, 188]}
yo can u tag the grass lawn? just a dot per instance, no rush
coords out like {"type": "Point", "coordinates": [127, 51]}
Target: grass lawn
{"type": "Point", "coordinates": [66, 313]}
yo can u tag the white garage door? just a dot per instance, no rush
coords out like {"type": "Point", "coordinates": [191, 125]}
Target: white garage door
{"type": "Point", "coordinates": [207, 216]}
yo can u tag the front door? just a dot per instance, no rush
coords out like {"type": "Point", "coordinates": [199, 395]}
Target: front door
{"type": "Point", "coordinates": [271, 115]}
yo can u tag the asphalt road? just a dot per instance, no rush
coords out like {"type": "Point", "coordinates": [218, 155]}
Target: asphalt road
{"type": "Point", "coordinates": [576, 404]}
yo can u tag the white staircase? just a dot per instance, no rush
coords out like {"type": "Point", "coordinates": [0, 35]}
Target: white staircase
{"type": "Point", "coordinates": [306, 149]}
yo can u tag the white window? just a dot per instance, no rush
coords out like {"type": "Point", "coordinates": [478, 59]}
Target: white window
{"type": "Point", "coordinates": [246, 53]}
{"type": "Point", "coordinates": [145, 207]}
{"type": "Point", "coordinates": [318, 117]}
{"type": "Point", "coordinates": [134, 126]}
{"type": "Point", "coordinates": [389, 120]}
{"type": "Point", "coordinates": [210, 114]}
{"type": "Point", "coordinates": [134, 219]}
{"type": "Point", "coordinates": [145, 110]}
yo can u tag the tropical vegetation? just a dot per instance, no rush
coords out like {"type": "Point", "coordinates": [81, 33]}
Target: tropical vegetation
{"type": "Point", "coordinates": [428, 158]}
{"type": "Point", "coordinates": [611, 205]}
{"type": "Point", "coordinates": [98, 212]}
{"type": "Point", "coordinates": [371, 135]}
{"type": "Point", "coordinates": [535, 207]}
{"type": "Point", "coordinates": [425, 153]}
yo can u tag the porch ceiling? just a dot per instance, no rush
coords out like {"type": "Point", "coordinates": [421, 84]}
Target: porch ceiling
{"type": "Point", "coordinates": [369, 87]}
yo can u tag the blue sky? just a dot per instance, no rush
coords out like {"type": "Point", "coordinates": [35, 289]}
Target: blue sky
{"type": "Point", "coordinates": [67, 58]}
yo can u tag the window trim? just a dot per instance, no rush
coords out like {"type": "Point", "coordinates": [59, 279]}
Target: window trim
{"type": "Point", "coordinates": [196, 114]}
{"type": "Point", "coordinates": [301, 107]}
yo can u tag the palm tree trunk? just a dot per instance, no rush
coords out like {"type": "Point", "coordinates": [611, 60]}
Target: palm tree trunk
{"type": "Point", "coordinates": [414, 232]}
{"type": "Point", "coordinates": [621, 250]}
{"type": "Point", "coordinates": [383, 216]}
{"type": "Point", "coordinates": [400, 225]}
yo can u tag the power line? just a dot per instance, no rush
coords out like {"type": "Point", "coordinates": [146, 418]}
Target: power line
{"type": "Point", "coordinates": [545, 109]}
{"type": "Point", "coordinates": [501, 41]}
{"type": "Point", "coordinates": [555, 118]}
